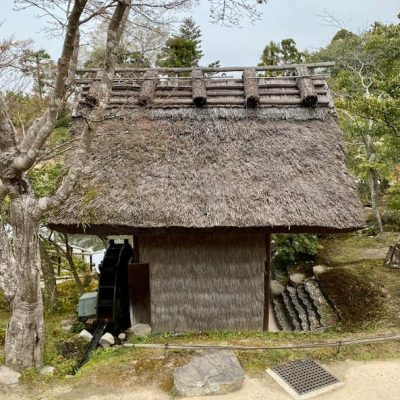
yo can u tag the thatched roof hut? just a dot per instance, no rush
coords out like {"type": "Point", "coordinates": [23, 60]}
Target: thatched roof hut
{"type": "Point", "coordinates": [191, 154]}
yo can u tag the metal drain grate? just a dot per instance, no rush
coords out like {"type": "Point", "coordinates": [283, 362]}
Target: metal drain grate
{"type": "Point", "coordinates": [304, 378]}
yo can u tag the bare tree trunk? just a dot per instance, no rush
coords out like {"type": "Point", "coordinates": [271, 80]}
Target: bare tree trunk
{"type": "Point", "coordinates": [20, 260]}
{"type": "Point", "coordinates": [49, 278]}
{"type": "Point", "coordinates": [69, 256]}
{"type": "Point", "coordinates": [25, 332]}
{"type": "Point", "coordinates": [373, 181]}
{"type": "Point", "coordinates": [374, 191]}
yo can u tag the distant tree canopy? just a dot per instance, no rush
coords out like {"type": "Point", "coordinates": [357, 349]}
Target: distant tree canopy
{"type": "Point", "coordinates": [366, 85]}
{"type": "Point", "coordinates": [41, 68]}
{"type": "Point", "coordinates": [125, 57]}
{"type": "Point", "coordinates": [284, 52]}
{"type": "Point", "coordinates": [182, 50]}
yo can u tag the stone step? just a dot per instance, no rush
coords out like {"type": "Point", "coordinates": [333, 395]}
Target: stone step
{"type": "Point", "coordinates": [313, 317]}
{"type": "Point", "coordinates": [291, 311]}
{"type": "Point", "coordinates": [280, 314]}
{"type": "Point", "coordinates": [327, 315]}
{"type": "Point", "coordinates": [300, 309]}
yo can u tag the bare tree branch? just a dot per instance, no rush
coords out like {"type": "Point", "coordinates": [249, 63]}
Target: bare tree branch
{"type": "Point", "coordinates": [38, 133]}
{"type": "Point", "coordinates": [116, 27]}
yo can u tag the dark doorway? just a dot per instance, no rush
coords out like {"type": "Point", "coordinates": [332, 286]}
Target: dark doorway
{"type": "Point", "coordinates": [139, 293]}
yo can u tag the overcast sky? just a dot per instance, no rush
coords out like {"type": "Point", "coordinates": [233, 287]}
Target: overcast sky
{"type": "Point", "coordinates": [297, 19]}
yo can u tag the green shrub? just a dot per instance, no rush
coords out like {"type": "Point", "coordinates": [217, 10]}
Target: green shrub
{"type": "Point", "coordinates": [292, 248]}
{"type": "Point", "coordinates": [393, 197]}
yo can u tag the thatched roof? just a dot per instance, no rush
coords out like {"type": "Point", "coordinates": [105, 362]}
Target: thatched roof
{"type": "Point", "coordinates": [279, 166]}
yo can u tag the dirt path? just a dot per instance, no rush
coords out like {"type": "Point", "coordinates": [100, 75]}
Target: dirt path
{"type": "Point", "coordinates": [362, 381]}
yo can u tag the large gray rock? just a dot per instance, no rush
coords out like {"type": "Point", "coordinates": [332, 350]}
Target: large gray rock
{"type": "Point", "coordinates": [214, 372]}
{"type": "Point", "coordinates": [297, 279]}
{"type": "Point", "coordinates": [8, 376]}
{"type": "Point", "coordinates": [276, 288]}
{"type": "Point", "coordinates": [107, 340]}
{"type": "Point", "coordinates": [141, 330]}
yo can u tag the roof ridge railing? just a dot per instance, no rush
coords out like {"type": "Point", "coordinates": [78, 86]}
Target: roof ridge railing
{"type": "Point", "coordinates": [327, 64]}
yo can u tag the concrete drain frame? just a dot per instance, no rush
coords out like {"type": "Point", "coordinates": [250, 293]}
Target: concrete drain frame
{"type": "Point", "coordinates": [304, 379]}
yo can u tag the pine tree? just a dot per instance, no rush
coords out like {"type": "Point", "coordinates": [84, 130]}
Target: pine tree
{"type": "Point", "coordinates": [182, 50]}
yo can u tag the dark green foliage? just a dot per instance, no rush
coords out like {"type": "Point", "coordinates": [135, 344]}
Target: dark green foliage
{"type": "Point", "coordinates": [182, 50]}
{"type": "Point", "coordinates": [284, 52]}
{"type": "Point", "coordinates": [393, 197]}
{"type": "Point", "coordinates": [291, 248]}
{"type": "Point", "coordinates": [178, 52]}
{"type": "Point", "coordinates": [39, 65]}
{"type": "Point", "coordinates": [126, 57]}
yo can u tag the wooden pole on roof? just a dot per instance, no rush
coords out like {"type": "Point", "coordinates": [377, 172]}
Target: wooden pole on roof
{"type": "Point", "coordinates": [148, 88]}
{"type": "Point", "coordinates": [306, 86]}
{"type": "Point", "coordinates": [267, 282]}
{"type": "Point", "coordinates": [251, 92]}
{"type": "Point", "coordinates": [199, 92]}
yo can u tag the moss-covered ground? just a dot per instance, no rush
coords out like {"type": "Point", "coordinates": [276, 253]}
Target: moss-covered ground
{"type": "Point", "coordinates": [366, 293]}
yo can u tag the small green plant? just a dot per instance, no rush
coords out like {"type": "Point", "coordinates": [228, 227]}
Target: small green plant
{"type": "Point", "coordinates": [292, 248]}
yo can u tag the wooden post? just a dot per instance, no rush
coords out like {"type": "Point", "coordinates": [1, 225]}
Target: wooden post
{"type": "Point", "coordinates": [148, 88]}
{"type": "Point", "coordinates": [251, 92]}
{"type": "Point", "coordinates": [199, 92]}
{"type": "Point", "coordinates": [93, 93]}
{"type": "Point", "coordinates": [59, 265]}
{"type": "Point", "coordinates": [267, 281]}
{"type": "Point", "coordinates": [306, 87]}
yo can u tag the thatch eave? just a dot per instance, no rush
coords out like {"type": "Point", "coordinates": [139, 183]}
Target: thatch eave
{"type": "Point", "coordinates": [277, 170]}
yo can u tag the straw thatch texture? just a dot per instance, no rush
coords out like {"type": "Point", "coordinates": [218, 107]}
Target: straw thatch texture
{"type": "Point", "coordinates": [277, 169]}
{"type": "Point", "coordinates": [205, 281]}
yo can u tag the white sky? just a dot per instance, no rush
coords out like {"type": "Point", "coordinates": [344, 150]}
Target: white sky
{"type": "Point", "coordinates": [297, 19]}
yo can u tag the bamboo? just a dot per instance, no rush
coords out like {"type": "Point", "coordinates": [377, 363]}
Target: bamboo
{"type": "Point", "coordinates": [264, 100]}
{"type": "Point", "coordinates": [327, 64]}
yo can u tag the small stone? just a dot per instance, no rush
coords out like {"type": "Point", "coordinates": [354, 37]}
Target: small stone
{"type": "Point", "coordinates": [90, 323]}
{"type": "Point", "coordinates": [48, 370]}
{"type": "Point", "coordinates": [86, 335]}
{"type": "Point", "coordinates": [67, 322]}
{"type": "Point", "coordinates": [297, 279]}
{"type": "Point", "coordinates": [319, 269]}
{"type": "Point", "coordinates": [8, 376]}
{"type": "Point", "coordinates": [107, 340]}
{"type": "Point", "coordinates": [276, 288]}
{"type": "Point", "coordinates": [122, 336]}
{"type": "Point", "coordinates": [67, 328]}
{"type": "Point", "coordinates": [214, 372]}
{"type": "Point", "coordinates": [141, 330]}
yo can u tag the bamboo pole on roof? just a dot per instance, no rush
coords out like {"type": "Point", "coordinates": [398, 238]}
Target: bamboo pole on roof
{"type": "Point", "coordinates": [327, 64]}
